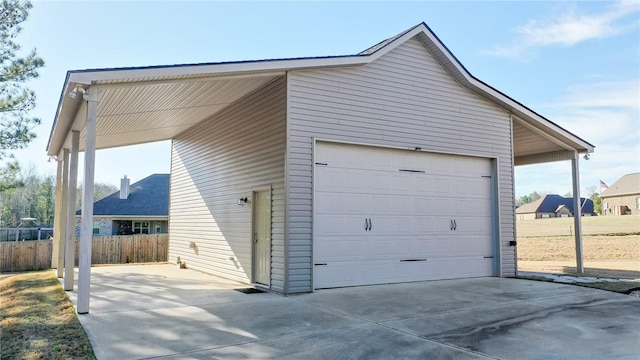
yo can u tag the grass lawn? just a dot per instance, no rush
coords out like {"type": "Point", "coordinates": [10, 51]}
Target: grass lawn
{"type": "Point", "coordinates": [591, 225]}
{"type": "Point", "coordinates": [611, 245]}
{"type": "Point", "coordinates": [597, 248]}
{"type": "Point", "coordinates": [38, 321]}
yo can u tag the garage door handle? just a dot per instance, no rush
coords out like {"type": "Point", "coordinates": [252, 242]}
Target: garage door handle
{"type": "Point", "coordinates": [367, 224]}
{"type": "Point", "coordinates": [455, 226]}
{"type": "Point", "coordinates": [370, 224]}
{"type": "Point", "coordinates": [451, 224]}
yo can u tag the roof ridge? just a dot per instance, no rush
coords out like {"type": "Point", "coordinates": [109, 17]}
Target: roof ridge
{"type": "Point", "coordinates": [385, 42]}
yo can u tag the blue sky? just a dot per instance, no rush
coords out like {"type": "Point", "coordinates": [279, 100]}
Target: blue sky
{"type": "Point", "coordinates": [577, 63]}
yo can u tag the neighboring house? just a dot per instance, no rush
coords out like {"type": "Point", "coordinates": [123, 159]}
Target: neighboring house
{"type": "Point", "coordinates": [391, 165]}
{"type": "Point", "coordinates": [551, 206]}
{"type": "Point", "coordinates": [622, 197]}
{"type": "Point", "coordinates": [140, 208]}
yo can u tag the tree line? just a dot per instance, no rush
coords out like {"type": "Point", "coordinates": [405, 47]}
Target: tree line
{"type": "Point", "coordinates": [35, 198]}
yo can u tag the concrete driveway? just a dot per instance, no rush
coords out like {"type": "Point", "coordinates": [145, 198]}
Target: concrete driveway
{"type": "Point", "coordinates": [159, 311]}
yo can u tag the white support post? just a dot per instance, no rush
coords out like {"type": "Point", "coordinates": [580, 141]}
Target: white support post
{"type": "Point", "coordinates": [70, 243]}
{"type": "Point", "coordinates": [63, 212]}
{"type": "Point", "coordinates": [86, 225]}
{"type": "Point", "coordinates": [56, 212]}
{"type": "Point", "coordinates": [577, 211]}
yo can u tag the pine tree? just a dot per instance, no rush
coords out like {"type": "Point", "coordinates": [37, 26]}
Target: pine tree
{"type": "Point", "coordinates": [16, 100]}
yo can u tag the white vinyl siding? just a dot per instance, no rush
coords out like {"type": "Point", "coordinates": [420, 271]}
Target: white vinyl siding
{"type": "Point", "coordinates": [216, 163]}
{"type": "Point", "coordinates": [403, 99]}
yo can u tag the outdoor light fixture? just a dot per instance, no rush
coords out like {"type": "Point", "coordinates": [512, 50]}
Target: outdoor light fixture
{"type": "Point", "coordinates": [242, 201]}
{"type": "Point", "coordinates": [74, 92]}
{"type": "Point", "coordinates": [586, 156]}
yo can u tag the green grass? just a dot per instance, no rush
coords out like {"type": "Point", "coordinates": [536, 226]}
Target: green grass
{"type": "Point", "coordinates": [38, 320]}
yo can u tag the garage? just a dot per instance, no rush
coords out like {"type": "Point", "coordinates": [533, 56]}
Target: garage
{"type": "Point", "coordinates": [387, 215]}
{"type": "Point", "coordinates": [391, 165]}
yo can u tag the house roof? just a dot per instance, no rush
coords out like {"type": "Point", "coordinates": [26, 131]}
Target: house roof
{"type": "Point", "coordinates": [627, 185]}
{"type": "Point", "coordinates": [147, 197]}
{"type": "Point", "coordinates": [155, 103]}
{"type": "Point", "coordinates": [552, 203]}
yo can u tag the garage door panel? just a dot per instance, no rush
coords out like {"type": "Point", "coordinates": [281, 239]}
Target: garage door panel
{"type": "Point", "coordinates": [443, 187]}
{"type": "Point", "coordinates": [430, 216]}
{"type": "Point", "coordinates": [425, 185]}
{"type": "Point", "coordinates": [381, 182]}
{"type": "Point", "coordinates": [473, 225]}
{"type": "Point", "coordinates": [343, 203]}
{"type": "Point", "coordinates": [468, 207]}
{"type": "Point", "coordinates": [424, 206]}
{"type": "Point", "coordinates": [386, 271]}
{"type": "Point", "coordinates": [390, 247]}
{"type": "Point", "coordinates": [347, 248]}
{"type": "Point", "coordinates": [339, 225]}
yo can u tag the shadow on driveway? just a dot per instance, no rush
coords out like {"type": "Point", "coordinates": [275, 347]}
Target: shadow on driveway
{"type": "Point", "coordinates": [158, 311]}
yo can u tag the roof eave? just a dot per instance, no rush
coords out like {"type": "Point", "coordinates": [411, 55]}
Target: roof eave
{"type": "Point", "coordinates": [632, 193]}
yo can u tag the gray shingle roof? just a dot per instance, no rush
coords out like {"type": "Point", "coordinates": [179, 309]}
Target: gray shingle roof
{"type": "Point", "coordinates": [627, 185]}
{"type": "Point", "coordinates": [550, 203]}
{"type": "Point", "coordinates": [147, 197]}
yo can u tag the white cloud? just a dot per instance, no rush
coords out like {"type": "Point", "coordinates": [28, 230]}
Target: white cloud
{"type": "Point", "coordinates": [570, 28]}
{"type": "Point", "coordinates": [606, 114]}
{"type": "Point", "coordinates": [601, 112]}
{"type": "Point", "coordinates": [612, 94]}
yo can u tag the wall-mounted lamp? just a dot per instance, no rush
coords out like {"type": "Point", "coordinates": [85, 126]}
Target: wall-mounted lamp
{"type": "Point", "coordinates": [74, 92]}
{"type": "Point", "coordinates": [418, 148]}
{"type": "Point", "coordinates": [586, 156]}
{"type": "Point", "coordinates": [242, 201]}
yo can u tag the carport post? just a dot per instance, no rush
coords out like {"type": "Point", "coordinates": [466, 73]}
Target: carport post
{"type": "Point", "coordinates": [56, 212]}
{"type": "Point", "coordinates": [86, 222]}
{"type": "Point", "coordinates": [62, 216]}
{"type": "Point", "coordinates": [70, 243]}
{"type": "Point", "coordinates": [577, 211]}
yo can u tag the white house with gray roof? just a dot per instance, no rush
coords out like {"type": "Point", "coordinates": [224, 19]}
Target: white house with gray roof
{"type": "Point", "coordinates": [391, 165]}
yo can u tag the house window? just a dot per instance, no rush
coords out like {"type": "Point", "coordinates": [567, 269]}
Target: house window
{"type": "Point", "coordinates": [96, 227]}
{"type": "Point", "coordinates": [638, 203]}
{"type": "Point", "coordinates": [140, 227]}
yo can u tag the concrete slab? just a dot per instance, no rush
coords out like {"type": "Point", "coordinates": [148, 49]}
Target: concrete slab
{"type": "Point", "coordinates": [365, 341]}
{"type": "Point", "coordinates": [159, 311]}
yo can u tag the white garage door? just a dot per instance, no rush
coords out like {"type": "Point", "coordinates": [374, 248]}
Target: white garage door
{"type": "Point", "coordinates": [386, 216]}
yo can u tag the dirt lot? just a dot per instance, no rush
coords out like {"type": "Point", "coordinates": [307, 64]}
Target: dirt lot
{"type": "Point", "coordinates": [611, 246]}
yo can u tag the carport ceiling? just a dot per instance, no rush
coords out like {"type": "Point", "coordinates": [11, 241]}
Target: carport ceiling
{"type": "Point", "coordinates": [136, 111]}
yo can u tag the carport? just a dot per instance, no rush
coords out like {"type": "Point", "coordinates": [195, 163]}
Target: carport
{"type": "Point", "coordinates": [107, 108]}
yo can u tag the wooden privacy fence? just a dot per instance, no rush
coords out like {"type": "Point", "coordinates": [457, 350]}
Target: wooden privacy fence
{"type": "Point", "coordinates": [121, 249]}
{"type": "Point", "coordinates": [25, 255]}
